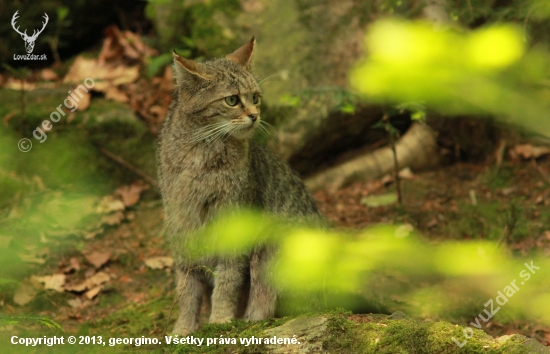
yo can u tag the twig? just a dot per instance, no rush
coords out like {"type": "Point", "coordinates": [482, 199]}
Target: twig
{"type": "Point", "coordinates": [130, 167]}
{"type": "Point", "coordinates": [470, 10]}
{"type": "Point", "coordinates": [391, 136]}
{"type": "Point", "coordinates": [531, 10]}
{"type": "Point", "coordinates": [499, 154]}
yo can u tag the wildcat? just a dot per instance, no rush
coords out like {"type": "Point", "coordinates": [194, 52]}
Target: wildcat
{"type": "Point", "coordinates": [207, 163]}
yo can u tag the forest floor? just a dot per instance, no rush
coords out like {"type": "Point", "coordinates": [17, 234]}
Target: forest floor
{"type": "Point", "coordinates": [136, 298]}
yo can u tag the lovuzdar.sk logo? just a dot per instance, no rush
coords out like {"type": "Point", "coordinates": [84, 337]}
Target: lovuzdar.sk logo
{"type": "Point", "coordinates": [29, 40]}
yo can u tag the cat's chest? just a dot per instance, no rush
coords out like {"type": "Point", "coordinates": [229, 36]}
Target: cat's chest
{"type": "Point", "coordinates": [214, 176]}
{"type": "Point", "coordinates": [205, 193]}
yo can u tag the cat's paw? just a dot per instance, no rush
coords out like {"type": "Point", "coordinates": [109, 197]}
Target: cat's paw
{"type": "Point", "coordinates": [251, 316]}
{"type": "Point", "coordinates": [220, 319]}
{"type": "Point", "coordinates": [183, 329]}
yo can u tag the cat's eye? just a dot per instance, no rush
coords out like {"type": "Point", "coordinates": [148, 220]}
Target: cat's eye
{"type": "Point", "coordinates": [255, 98]}
{"type": "Point", "coordinates": [232, 100]}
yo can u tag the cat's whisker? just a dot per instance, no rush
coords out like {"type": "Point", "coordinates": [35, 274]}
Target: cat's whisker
{"type": "Point", "coordinates": [268, 77]}
{"type": "Point", "coordinates": [223, 133]}
{"type": "Point", "coordinates": [267, 83]}
{"type": "Point", "coordinates": [208, 132]}
{"type": "Point", "coordinates": [267, 124]}
{"type": "Point", "coordinates": [268, 127]}
{"type": "Point", "coordinates": [267, 133]}
{"type": "Point", "coordinates": [206, 129]}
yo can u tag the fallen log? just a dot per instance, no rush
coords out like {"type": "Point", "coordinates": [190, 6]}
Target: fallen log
{"type": "Point", "coordinates": [417, 149]}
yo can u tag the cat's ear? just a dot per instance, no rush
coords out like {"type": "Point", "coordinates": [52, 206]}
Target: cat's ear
{"type": "Point", "coordinates": [185, 69]}
{"type": "Point", "coordinates": [243, 55]}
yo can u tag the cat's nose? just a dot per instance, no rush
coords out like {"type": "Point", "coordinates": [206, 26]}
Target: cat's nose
{"type": "Point", "coordinates": [253, 117]}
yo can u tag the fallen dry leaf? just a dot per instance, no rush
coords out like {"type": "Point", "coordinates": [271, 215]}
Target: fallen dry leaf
{"type": "Point", "coordinates": [53, 282]}
{"type": "Point", "coordinates": [113, 219]}
{"type": "Point", "coordinates": [78, 288]}
{"type": "Point", "coordinates": [432, 223]}
{"type": "Point", "coordinates": [386, 179]}
{"type": "Point", "coordinates": [93, 292]}
{"type": "Point", "coordinates": [92, 234]}
{"type": "Point", "coordinates": [159, 262]}
{"type": "Point", "coordinates": [19, 85]}
{"type": "Point", "coordinates": [95, 280]}
{"type": "Point", "coordinates": [113, 93]}
{"type": "Point", "coordinates": [124, 45]}
{"type": "Point", "coordinates": [130, 194]}
{"type": "Point", "coordinates": [24, 293]}
{"type": "Point", "coordinates": [8, 117]}
{"type": "Point", "coordinates": [406, 173]}
{"type": "Point", "coordinates": [99, 278]}
{"type": "Point", "coordinates": [75, 303]}
{"type": "Point", "coordinates": [138, 298]}
{"type": "Point", "coordinates": [48, 75]}
{"type": "Point", "coordinates": [74, 265]}
{"type": "Point", "coordinates": [98, 259]}
{"type": "Point", "coordinates": [167, 79]}
{"type": "Point", "coordinates": [84, 101]}
{"type": "Point", "coordinates": [528, 151]}
{"type": "Point", "coordinates": [104, 75]}
{"type": "Point", "coordinates": [124, 279]}
{"type": "Point", "coordinates": [109, 204]}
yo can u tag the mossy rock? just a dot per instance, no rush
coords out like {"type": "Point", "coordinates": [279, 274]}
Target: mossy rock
{"type": "Point", "coordinates": [345, 333]}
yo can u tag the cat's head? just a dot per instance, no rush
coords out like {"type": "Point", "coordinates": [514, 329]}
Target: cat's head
{"type": "Point", "coordinates": [220, 97]}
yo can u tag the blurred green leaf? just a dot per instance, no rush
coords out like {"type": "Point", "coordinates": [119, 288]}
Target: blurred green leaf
{"type": "Point", "coordinates": [486, 71]}
{"type": "Point", "coordinates": [156, 63]}
{"type": "Point", "coordinates": [292, 101]}
{"type": "Point", "coordinates": [347, 108]}
{"type": "Point", "coordinates": [62, 13]}
{"type": "Point", "coordinates": [388, 261]}
{"type": "Point", "coordinates": [379, 200]}
{"type": "Point", "coordinates": [539, 9]}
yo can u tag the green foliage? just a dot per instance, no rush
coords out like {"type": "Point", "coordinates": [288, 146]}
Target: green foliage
{"type": "Point", "coordinates": [343, 336]}
{"type": "Point", "coordinates": [7, 320]}
{"type": "Point", "coordinates": [345, 100]}
{"type": "Point", "coordinates": [539, 9]}
{"type": "Point", "coordinates": [486, 71]}
{"type": "Point", "coordinates": [519, 11]}
{"type": "Point", "coordinates": [158, 62]}
{"type": "Point", "coordinates": [196, 26]}
{"type": "Point", "coordinates": [429, 280]}
{"type": "Point", "coordinates": [417, 109]}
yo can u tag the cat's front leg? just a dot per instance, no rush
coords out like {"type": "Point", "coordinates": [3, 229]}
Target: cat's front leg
{"type": "Point", "coordinates": [228, 281]}
{"type": "Point", "coordinates": [189, 290]}
{"type": "Point", "coordinates": [263, 297]}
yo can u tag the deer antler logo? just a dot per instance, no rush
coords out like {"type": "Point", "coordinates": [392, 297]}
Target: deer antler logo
{"type": "Point", "coordinates": [29, 41]}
